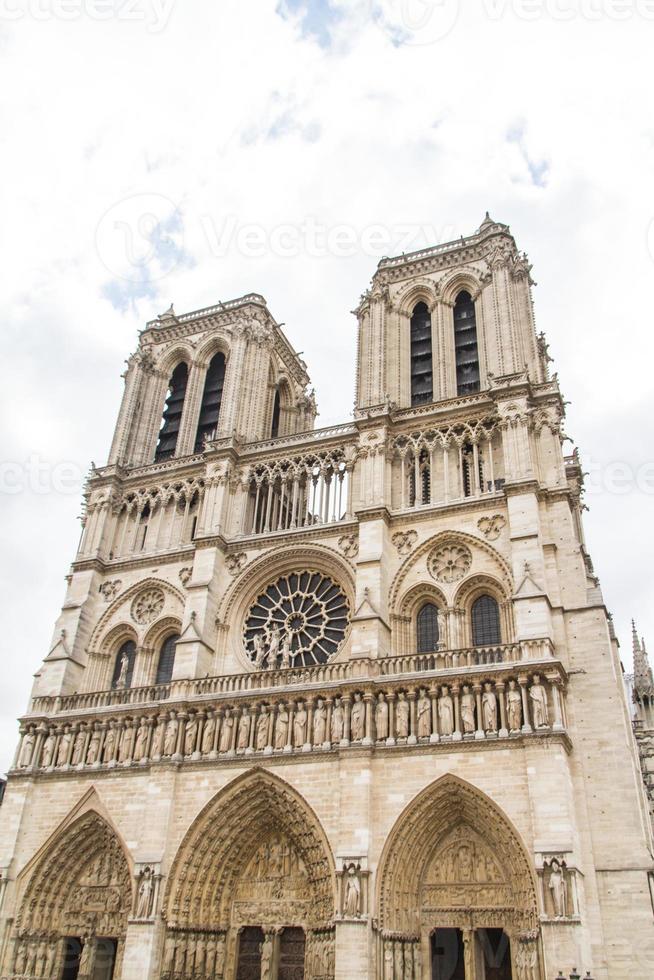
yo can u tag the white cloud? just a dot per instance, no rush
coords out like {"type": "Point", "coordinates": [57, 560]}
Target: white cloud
{"type": "Point", "coordinates": [323, 113]}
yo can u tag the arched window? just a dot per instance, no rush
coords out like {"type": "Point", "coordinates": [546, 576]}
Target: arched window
{"type": "Point", "coordinates": [172, 414]}
{"type": "Point", "coordinates": [422, 390]}
{"type": "Point", "coordinates": [427, 624]}
{"type": "Point", "coordinates": [166, 660]}
{"type": "Point", "coordinates": [465, 345]}
{"type": "Point", "coordinates": [124, 665]}
{"type": "Point", "coordinates": [486, 622]}
{"type": "Point", "coordinates": [211, 399]}
{"type": "Point", "coordinates": [275, 416]}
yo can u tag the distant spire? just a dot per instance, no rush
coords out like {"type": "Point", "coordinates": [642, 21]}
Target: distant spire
{"type": "Point", "coordinates": [486, 223]}
{"type": "Point", "coordinates": [643, 679]}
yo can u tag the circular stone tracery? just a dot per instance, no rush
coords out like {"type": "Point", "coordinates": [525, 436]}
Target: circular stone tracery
{"type": "Point", "coordinates": [450, 563]}
{"type": "Point", "coordinates": [309, 608]}
{"type": "Point", "coordinates": [147, 606]}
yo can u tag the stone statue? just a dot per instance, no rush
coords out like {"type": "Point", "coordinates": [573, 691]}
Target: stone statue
{"type": "Point", "coordinates": [352, 905]}
{"type": "Point", "coordinates": [527, 961]}
{"type": "Point", "coordinates": [287, 653]}
{"type": "Point", "coordinates": [358, 719]}
{"type": "Point", "coordinates": [93, 753]}
{"type": "Point", "coordinates": [141, 741]}
{"type": "Point", "coordinates": [243, 731]}
{"type": "Point", "coordinates": [424, 715]}
{"type": "Point", "coordinates": [266, 956]}
{"type": "Point", "coordinates": [338, 721]}
{"type": "Point", "coordinates": [158, 739]}
{"type": "Point", "coordinates": [121, 680]}
{"type": "Point", "coordinates": [538, 696]}
{"type": "Point", "coordinates": [208, 733]}
{"type": "Point", "coordinates": [126, 743]}
{"type": "Point", "coordinates": [467, 710]}
{"type": "Point", "coordinates": [78, 748]}
{"type": "Point", "coordinates": [489, 708]}
{"type": "Point", "coordinates": [259, 652]}
{"type": "Point", "coordinates": [190, 735]}
{"type": "Point", "coordinates": [227, 731]}
{"type": "Point", "coordinates": [273, 648]}
{"type": "Point", "coordinates": [281, 727]}
{"type": "Point", "coordinates": [109, 744]}
{"type": "Point", "coordinates": [261, 734]}
{"type": "Point", "coordinates": [514, 707]}
{"type": "Point", "coordinates": [144, 896]}
{"type": "Point", "coordinates": [48, 750]}
{"type": "Point", "coordinates": [170, 739]}
{"type": "Point", "coordinates": [26, 750]}
{"type": "Point", "coordinates": [319, 723]}
{"type": "Point", "coordinates": [381, 717]}
{"type": "Point", "coordinates": [402, 716]}
{"type": "Point", "coordinates": [64, 746]}
{"type": "Point", "coordinates": [21, 956]}
{"type": "Point", "coordinates": [445, 713]}
{"type": "Point", "coordinates": [300, 725]}
{"type": "Point", "coordinates": [557, 887]}
{"type": "Point", "coordinates": [388, 960]}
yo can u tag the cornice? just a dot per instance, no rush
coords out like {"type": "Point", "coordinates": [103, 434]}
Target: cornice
{"type": "Point", "coordinates": [153, 558]}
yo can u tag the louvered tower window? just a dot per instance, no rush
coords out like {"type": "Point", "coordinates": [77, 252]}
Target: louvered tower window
{"type": "Point", "coordinates": [427, 624]}
{"type": "Point", "coordinates": [465, 345]}
{"type": "Point", "coordinates": [172, 414]}
{"type": "Point", "coordinates": [421, 360]}
{"type": "Point", "coordinates": [486, 622]}
{"type": "Point", "coordinates": [166, 660]}
{"type": "Point", "coordinates": [211, 399]}
{"type": "Point", "coordinates": [128, 649]}
{"type": "Point", "coordinates": [275, 418]}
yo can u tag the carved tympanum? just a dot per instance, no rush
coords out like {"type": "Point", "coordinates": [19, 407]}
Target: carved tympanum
{"type": "Point", "coordinates": [449, 563]}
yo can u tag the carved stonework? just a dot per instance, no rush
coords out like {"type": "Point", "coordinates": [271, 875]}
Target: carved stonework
{"type": "Point", "coordinates": [558, 887]}
{"type": "Point", "coordinates": [491, 527]}
{"type": "Point", "coordinates": [185, 575]}
{"type": "Point", "coordinates": [404, 541]}
{"type": "Point", "coordinates": [450, 562]}
{"type": "Point", "coordinates": [234, 563]}
{"type": "Point", "coordinates": [349, 545]}
{"type": "Point", "coordinates": [147, 606]}
{"type": "Point", "coordinates": [109, 590]}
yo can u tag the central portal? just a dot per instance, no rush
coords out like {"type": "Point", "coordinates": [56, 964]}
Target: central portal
{"type": "Point", "coordinates": [480, 954]}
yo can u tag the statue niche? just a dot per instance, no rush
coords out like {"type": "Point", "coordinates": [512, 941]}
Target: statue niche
{"type": "Point", "coordinates": [464, 873]}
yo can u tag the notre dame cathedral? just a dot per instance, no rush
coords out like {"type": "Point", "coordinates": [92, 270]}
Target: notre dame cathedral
{"type": "Point", "coordinates": [335, 703]}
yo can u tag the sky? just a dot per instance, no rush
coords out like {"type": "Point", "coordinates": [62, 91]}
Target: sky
{"type": "Point", "coordinates": [158, 151]}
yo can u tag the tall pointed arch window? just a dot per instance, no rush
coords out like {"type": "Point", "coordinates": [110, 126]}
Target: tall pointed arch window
{"type": "Point", "coordinates": [166, 660]}
{"type": "Point", "coordinates": [465, 344]}
{"type": "Point", "coordinates": [427, 628]}
{"type": "Point", "coordinates": [211, 400]}
{"type": "Point", "coordinates": [486, 622]}
{"type": "Point", "coordinates": [124, 665]}
{"type": "Point", "coordinates": [422, 385]}
{"type": "Point", "coordinates": [172, 414]}
{"type": "Point", "coordinates": [277, 410]}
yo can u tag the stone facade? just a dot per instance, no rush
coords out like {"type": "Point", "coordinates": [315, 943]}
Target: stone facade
{"type": "Point", "coordinates": [334, 703]}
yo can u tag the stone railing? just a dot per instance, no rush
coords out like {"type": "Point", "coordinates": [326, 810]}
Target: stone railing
{"type": "Point", "coordinates": [305, 677]}
{"type": "Point", "coordinates": [491, 702]}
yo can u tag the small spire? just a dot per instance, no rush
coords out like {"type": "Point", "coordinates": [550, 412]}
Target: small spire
{"type": "Point", "coordinates": [486, 223]}
{"type": "Point", "coordinates": [643, 679]}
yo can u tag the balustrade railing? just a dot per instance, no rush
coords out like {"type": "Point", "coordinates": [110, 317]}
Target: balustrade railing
{"type": "Point", "coordinates": [321, 674]}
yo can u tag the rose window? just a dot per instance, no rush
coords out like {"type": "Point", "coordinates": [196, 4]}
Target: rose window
{"type": "Point", "coordinates": [308, 608]}
{"type": "Point", "coordinates": [147, 606]}
{"type": "Point", "coordinates": [450, 563]}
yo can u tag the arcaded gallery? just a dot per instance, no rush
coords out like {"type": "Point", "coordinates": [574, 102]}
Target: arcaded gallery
{"type": "Point", "coordinates": [334, 703]}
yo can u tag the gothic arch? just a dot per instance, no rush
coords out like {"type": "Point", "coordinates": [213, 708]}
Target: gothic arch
{"type": "Point", "coordinates": [208, 348]}
{"type": "Point", "coordinates": [420, 885]}
{"type": "Point", "coordinates": [102, 630]}
{"type": "Point", "coordinates": [501, 569]}
{"type": "Point", "coordinates": [465, 279]}
{"type": "Point", "coordinates": [219, 847]}
{"type": "Point", "coordinates": [78, 884]}
{"type": "Point", "coordinates": [172, 356]}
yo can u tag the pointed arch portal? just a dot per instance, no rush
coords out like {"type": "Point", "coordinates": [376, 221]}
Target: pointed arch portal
{"type": "Point", "coordinates": [252, 887]}
{"type": "Point", "coordinates": [456, 893]}
{"type": "Point", "coordinates": [73, 916]}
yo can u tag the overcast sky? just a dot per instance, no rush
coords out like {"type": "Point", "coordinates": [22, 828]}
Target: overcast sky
{"type": "Point", "coordinates": [163, 151]}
